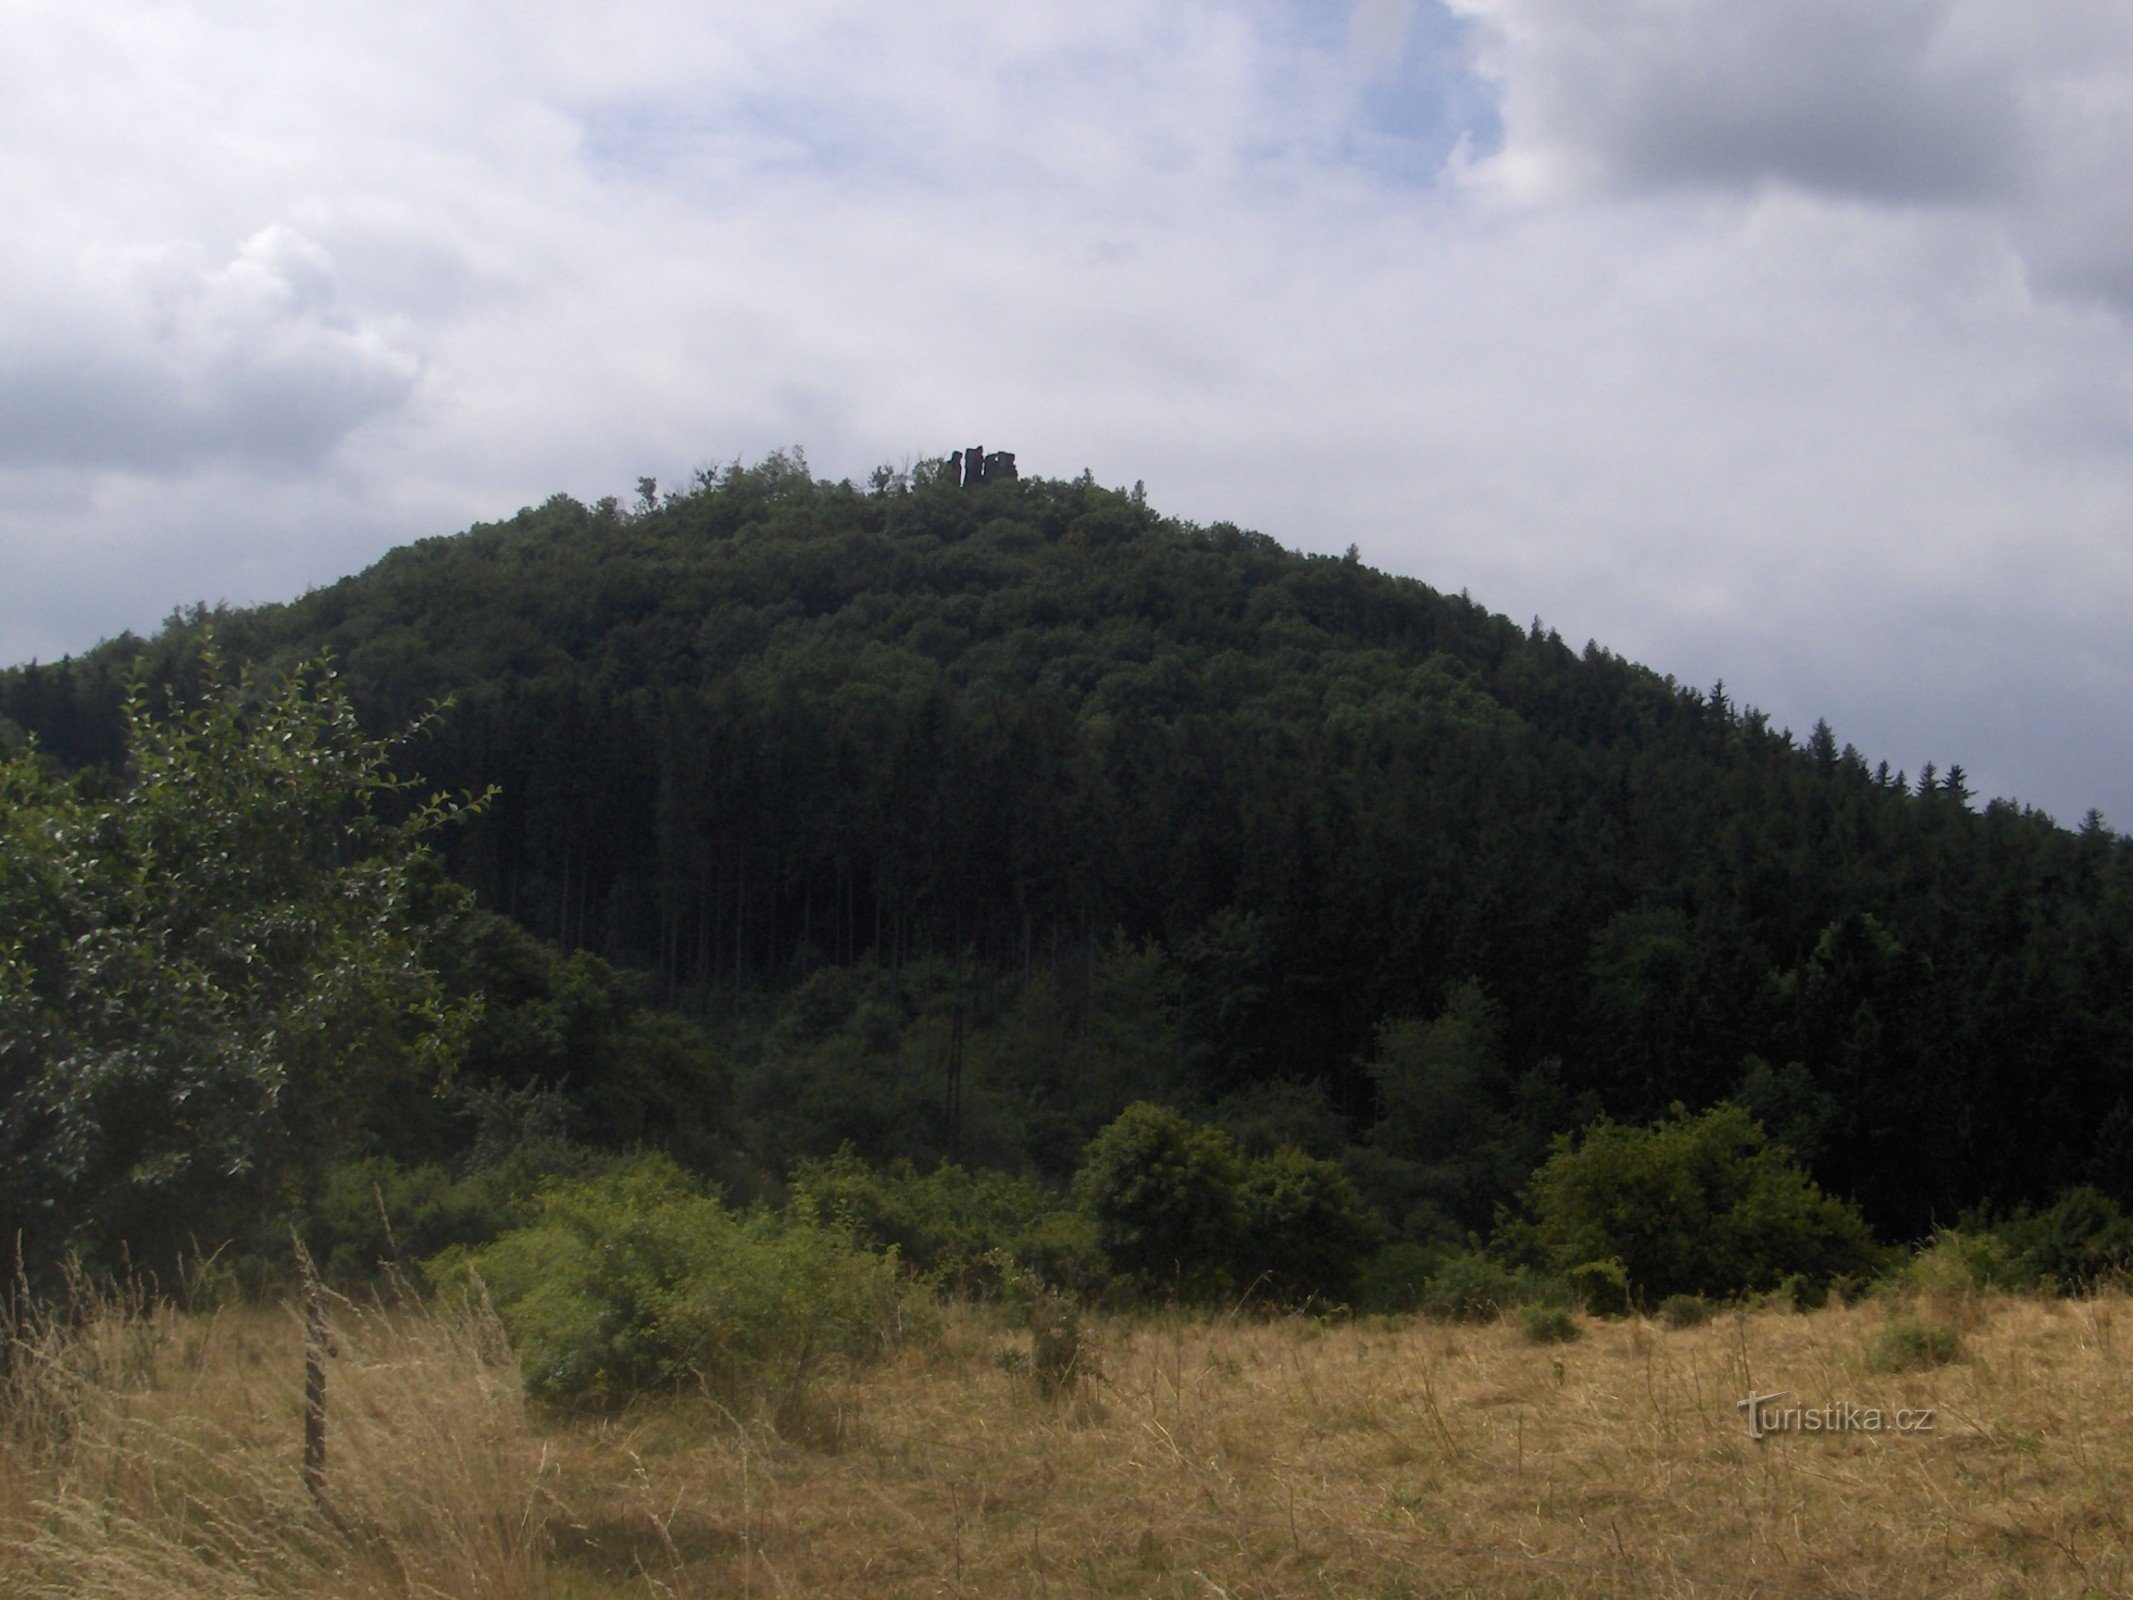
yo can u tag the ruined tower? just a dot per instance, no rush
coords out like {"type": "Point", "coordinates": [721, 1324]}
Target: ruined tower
{"type": "Point", "coordinates": [974, 467]}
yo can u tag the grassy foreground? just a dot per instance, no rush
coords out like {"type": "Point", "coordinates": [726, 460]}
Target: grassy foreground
{"type": "Point", "coordinates": [158, 1457]}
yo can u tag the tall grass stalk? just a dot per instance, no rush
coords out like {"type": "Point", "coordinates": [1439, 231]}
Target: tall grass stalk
{"type": "Point", "coordinates": [150, 1455]}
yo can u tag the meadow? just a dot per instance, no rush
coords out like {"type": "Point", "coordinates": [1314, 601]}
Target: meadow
{"type": "Point", "coordinates": [151, 1453]}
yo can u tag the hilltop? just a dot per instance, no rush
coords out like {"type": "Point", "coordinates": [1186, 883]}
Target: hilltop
{"type": "Point", "coordinates": [960, 816]}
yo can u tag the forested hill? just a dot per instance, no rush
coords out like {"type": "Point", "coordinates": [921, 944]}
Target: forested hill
{"type": "Point", "coordinates": [773, 736]}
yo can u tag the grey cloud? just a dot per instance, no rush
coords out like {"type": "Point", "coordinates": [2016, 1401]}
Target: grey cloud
{"type": "Point", "coordinates": [159, 361]}
{"type": "Point", "coordinates": [1879, 99]}
{"type": "Point", "coordinates": [2018, 110]}
{"type": "Point", "coordinates": [1770, 438]}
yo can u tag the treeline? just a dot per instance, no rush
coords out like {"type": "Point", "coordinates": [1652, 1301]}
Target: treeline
{"type": "Point", "coordinates": [959, 819]}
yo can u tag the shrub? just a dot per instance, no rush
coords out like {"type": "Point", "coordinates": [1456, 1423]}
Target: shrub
{"type": "Point", "coordinates": [1305, 1232]}
{"type": "Point", "coordinates": [1163, 1193]}
{"type": "Point", "coordinates": [1055, 1342]}
{"type": "Point", "coordinates": [1551, 1324]}
{"type": "Point", "coordinates": [1601, 1287]}
{"type": "Point", "coordinates": [1394, 1278]}
{"type": "Point", "coordinates": [640, 1280]}
{"type": "Point", "coordinates": [1963, 1263]}
{"type": "Point", "coordinates": [2082, 1237]}
{"type": "Point", "coordinates": [1691, 1205]}
{"type": "Point", "coordinates": [1061, 1250]}
{"type": "Point", "coordinates": [1907, 1344]}
{"type": "Point", "coordinates": [1177, 1209]}
{"type": "Point", "coordinates": [1684, 1311]}
{"type": "Point", "coordinates": [375, 1212]}
{"type": "Point", "coordinates": [952, 1223]}
{"type": "Point", "coordinates": [1470, 1287]}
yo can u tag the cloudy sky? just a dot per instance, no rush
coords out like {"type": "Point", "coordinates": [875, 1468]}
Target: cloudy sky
{"type": "Point", "coordinates": [1784, 341]}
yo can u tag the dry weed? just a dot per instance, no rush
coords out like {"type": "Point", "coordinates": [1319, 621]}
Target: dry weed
{"type": "Point", "coordinates": [1288, 1458]}
{"type": "Point", "coordinates": [176, 1470]}
{"type": "Point", "coordinates": [1200, 1457]}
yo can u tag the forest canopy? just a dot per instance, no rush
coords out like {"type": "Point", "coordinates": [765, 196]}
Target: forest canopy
{"type": "Point", "coordinates": [946, 823]}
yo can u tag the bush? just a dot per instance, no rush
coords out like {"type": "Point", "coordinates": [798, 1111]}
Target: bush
{"type": "Point", "coordinates": [1691, 1205]}
{"type": "Point", "coordinates": [1177, 1209]}
{"type": "Point", "coordinates": [1601, 1287]}
{"type": "Point", "coordinates": [1551, 1324]}
{"type": "Point", "coordinates": [1470, 1287]}
{"type": "Point", "coordinates": [1684, 1311]}
{"type": "Point", "coordinates": [1305, 1232]}
{"type": "Point", "coordinates": [2082, 1238]}
{"type": "Point", "coordinates": [1908, 1344]}
{"type": "Point", "coordinates": [375, 1213]}
{"type": "Point", "coordinates": [1963, 1263]}
{"type": "Point", "coordinates": [1163, 1193]}
{"type": "Point", "coordinates": [640, 1280]}
{"type": "Point", "coordinates": [1394, 1278]}
{"type": "Point", "coordinates": [954, 1224]}
{"type": "Point", "coordinates": [1055, 1342]}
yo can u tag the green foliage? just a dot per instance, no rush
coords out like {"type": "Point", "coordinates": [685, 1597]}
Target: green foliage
{"type": "Point", "coordinates": [1169, 813]}
{"type": "Point", "coordinates": [1282, 1115]}
{"type": "Point", "coordinates": [1448, 1147]}
{"type": "Point", "coordinates": [2081, 1238]}
{"type": "Point", "coordinates": [1471, 1287]}
{"type": "Point", "coordinates": [1793, 1111]}
{"type": "Point", "coordinates": [1646, 1002]}
{"type": "Point", "coordinates": [1908, 1344]}
{"type": "Point", "coordinates": [1304, 1233]}
{"type": "Point", "coordinates": [1179, 1211]}
{"type": "Point", "coordinates": [1056, 1348]}
{"type": "Point", "coordinates": [640, 1280]}
{"type": "Point", "coordinates": [1164, 1195]}
{"type": "Point", "coordinates": [1546, 1324]}
{"type": "Point", "coordinates": [1599, 1286]}
{"type": "Point", "coordinates": [1394, 1278]}
{"type": "Point", "coordinates": [1965, 1262]}
{"type": "Point", "coordinates": [860, 1055]}
{"type": "Point", "coordinates": [374, 1214]}
{"type": "Point", "coordinates": [608, 1069]}
{"type": "Point", "coordinates": [1691, 1205]}
{"type": "Point", "coordinates": [214, 974]}
{"type": "Point", "coordinates": [1684, 1311]}
{"type": "Point", "coordinates": [954, 1224]}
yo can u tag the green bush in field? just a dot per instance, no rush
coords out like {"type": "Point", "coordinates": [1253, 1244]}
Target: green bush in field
{"type": "Point", "coordinates": [1393, 1279]}
{"type": "Point", "coordinates": [1953, 1262]}
{"type": "Point", "coordinates": [1177, 1209]}
{"type": "Point", "coordinates": [1684, 1311]}
{"type": "Point", "coordinates": [2082, 1237]}
{"type": "Point", "coordinates": [639, 1280]}
{"type": "Point", "coordinates": [1470, 1287]}
{"type": "Point", "coordinates": [374, 1213]}
{"type": "Point", "coordinates": [954, 1223]}
{"type": "Point", "coordinates": [1545, 1324]}
{"type": "Point", "coordinates": [1163, 1192]}
{"type": "Point", "coordinates": [1692, 1205]}
{"type": "Point", "coordinates": [1907, 1344]}
{"type": "Point", "coordinates": [1305, 1234]}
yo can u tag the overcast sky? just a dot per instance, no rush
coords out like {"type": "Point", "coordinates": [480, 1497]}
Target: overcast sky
{"type": "Point", "coordinates": [1784, 341]}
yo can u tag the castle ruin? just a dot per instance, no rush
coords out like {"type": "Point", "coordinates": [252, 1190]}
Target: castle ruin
{"type": "Point", "coordinates": [973, 467]}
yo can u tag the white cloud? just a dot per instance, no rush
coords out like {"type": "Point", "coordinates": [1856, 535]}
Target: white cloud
{"type": "Point", "coordinates": [155, 358]}
{"type": "Point", "coordinates": [1748, 375]}
{"type": "Point", "coordinates": [2019, 109]}
{"type": "Point", "coordinates": [1883, 99]}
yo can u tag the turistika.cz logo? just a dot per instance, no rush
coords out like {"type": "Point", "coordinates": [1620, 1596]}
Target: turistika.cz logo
{"type": "Point", "coordinates": [1766, 1417]}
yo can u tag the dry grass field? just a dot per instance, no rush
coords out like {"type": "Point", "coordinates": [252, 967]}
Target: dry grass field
{"type": "Point", "coordinates": [1196, 1457]}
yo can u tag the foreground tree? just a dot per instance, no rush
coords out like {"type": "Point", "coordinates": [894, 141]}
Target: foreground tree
{"type": "Point", "coordinates": [1163, 1193]}
{"type": "Point", "coordinates": [1692, 1205]}
{"type": "Point", "coordinates": [211, 970]}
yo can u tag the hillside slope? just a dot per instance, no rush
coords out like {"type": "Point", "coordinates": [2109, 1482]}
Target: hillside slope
{"type": "Point", "coordinates": [771, 730]}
